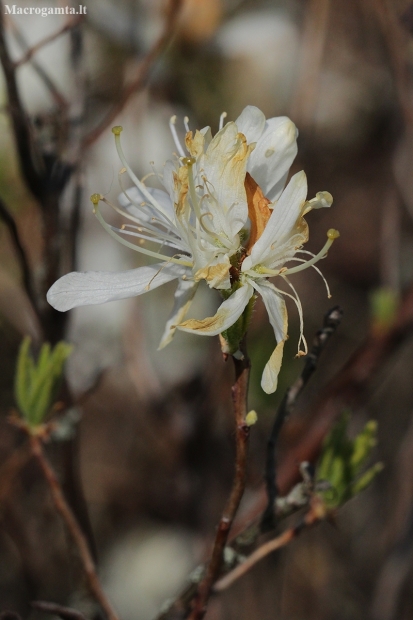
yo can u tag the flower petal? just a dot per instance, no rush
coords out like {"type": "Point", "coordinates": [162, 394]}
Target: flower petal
{"type": "Point", "coordinates": [228, 312]}
{"type": "Point", "coordinates": [184, 294]}
{"type": "Point", "coordinates": [216, 273]}
{"type": "Point", "coordinates": [225, 165]}
{"type": "Point", "coordinates": [281, 223]}
{"type": "Point", "coordinates": [275, 306]}
{"type": "Point", "coordinates": [277, 313]}
{"type": "Point", "coordinates": [273, 155]}
{"type": "Point", "coordinates": [269, 381]}
{"type": "Point", "coordinates": [251, 123]}
{"type": "Point", "coordinates": [97, 287]}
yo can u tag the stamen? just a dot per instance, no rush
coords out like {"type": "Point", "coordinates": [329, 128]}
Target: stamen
{"type": "Point", "coordinates": [149, 175]}
{"type": "Point", "coordinates": [186, 123]}
{"type": "Point", "coordinates": [207, 230]}
{"type": "Point", "coordinates": [301, 260]}
{"type": "Point", "coordinates": [332, 235]}
{"type": "Point", "coordinates": [189, 162]}
{"type": "Point", "coordinates": [117, 131]}
{"type": "Point", "coordinates": [300, 314]}
{"type": "Point", "coordinates": [172, 127]}
{"type": "Point", "coordinates": [221, 120]}
{"type": "Point", "coordinates": [131, 245]}
{"type": "Point", "coordinates": [161, 240]}
{"type": "Point", "coordinates": [95, 198]}
{"type": "Point", "coordinates": [157, 174]}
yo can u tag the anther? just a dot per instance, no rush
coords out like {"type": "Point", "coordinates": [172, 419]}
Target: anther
{"type": "Point", "coordinates": [333, 234]}
{"type": "Point", "coordinates": [117, 130]}
{"type": "Point", "coordinates": [96, 198]}
{"type": "Point", "coordinates": [188, 161]}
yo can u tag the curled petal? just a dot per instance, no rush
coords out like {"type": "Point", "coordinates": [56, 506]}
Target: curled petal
{"type": "Point", "coordinates": [225, 166]}
{"type": "Point", "coordinates": [277, 313]}
{"type": "Point", "coordinates": [97, 287]}
{"type": "Point", "coordinates": [273, 155]}
{"type": "Point", "coordinates": [284, 218]}
{"type": "Point", "coordinates": [269, 379]}
{"type": "Point", "coordinates": [321, 200]}
{"type": "Point", "coordinates": [216, 273]}
{"type": "Point", "coordinates": [228, 312]}
{"type": "Point", "coordinates": [251, 123]}
{"type": "Point", "coordinates": [184, 295]}
{"type": "Point", "coordinates": [275, 306]}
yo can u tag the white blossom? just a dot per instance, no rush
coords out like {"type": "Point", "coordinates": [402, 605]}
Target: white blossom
{"type": "Point", "coordinates": [223, 216]}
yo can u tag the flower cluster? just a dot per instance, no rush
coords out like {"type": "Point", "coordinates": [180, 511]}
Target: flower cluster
{"type": "Point", "coordinates": [225, 217]}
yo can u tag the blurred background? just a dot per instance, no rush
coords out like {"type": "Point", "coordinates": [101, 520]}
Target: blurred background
{"type": "Point", "coordinates": [150, 458]}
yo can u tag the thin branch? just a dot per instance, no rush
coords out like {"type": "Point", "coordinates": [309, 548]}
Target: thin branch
{"type": "Point", "coordinates": [24, 142]}
{"type": "Point", "coordinates": [306, 95]}
{"type": "Point", "coordinates": [21, 254]}
{"type": "Point", "coordinates": [43, 75]}
{"type": "Point", "coordinates": [143, 72]}
{"type": "Point", "coordinates": [313, 516]}
{"type": "Point", "coordinates": [331, 321]}
{"type": "Point", "coordinates": [66, 613]}
{"type": "Point", "coordinates": [72, 525]}
{"type": "Point", "coordinates": [298, 497]}
{"type": "Point", "coordinates": [239, 398]}
{"type": "Point", "coordinates": [31, 51]}
{"type": "Point", "coordinates": [397, 43]}
{"type": "Point", "coordinates": [10, 468]}
{"type": "Point", "coordinates": [346, 387]}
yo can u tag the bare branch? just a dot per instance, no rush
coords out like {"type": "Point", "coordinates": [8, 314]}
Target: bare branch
{"type": "Point", "coordinates": [313, 516]}
{"type": "Point", "coordinates": [239, 397]}
{"type": "Point", "coordinates": [24, 142]}
{"type": "Point", "coordinates": [43, 75]}
{"type": "Point", "coordinates": [73, 527]}
{"type": "Point", "coordinates": [66, 613]}
{"type": "Point", "coordinates": [331, 321]}
{"type": "Point", "coordinates": [21, 254]}
{"type": "Point", "coordinates": [143, 72]}
{"type": "Point", "coordinates": [31, 51]}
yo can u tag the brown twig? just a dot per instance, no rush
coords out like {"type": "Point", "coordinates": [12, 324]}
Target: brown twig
{"type": "Point", "coordinates": [24, 142]}
{"type": "Point", "coordinates": [396, 40]}
{"type": "Point", "coordinates": [143, 72]}
{"type": "Point", "coordinates": [72, 525]}
{"type": "Point", "coordinates": [43, 75]}
{"type": "Point", "coordinates": [331, 321]}
{"type": "Point", "coordinates": [314, 515]}
{"type": "Point", "coordinates": [31, 51]}
{"type": "Point", "coordinates": [21, 254]}
{"type": "Point", "coordinates": [10, 468]}
{"type": "Point", "coordinates": [304, 104]}
{"type": "Point", "coordinates": [347, 387]}
{"type": "Point", "coordinates": [66, 613]}
{"type": "Point", "coordinates": [239, 398]}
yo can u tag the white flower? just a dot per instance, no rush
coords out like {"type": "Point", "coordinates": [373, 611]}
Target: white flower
{"type": "Point", "coordinates": [224, 218]}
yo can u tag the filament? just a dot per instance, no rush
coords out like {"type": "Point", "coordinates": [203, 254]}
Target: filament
{"type": "Point", "coordinates": [132, 246]}
{"type": "Point", "coordinates": [117, 131]}
{"type": "Point", "coordinates": [172, 127]}
{"type": "Point", "coordinates": [221, 120]}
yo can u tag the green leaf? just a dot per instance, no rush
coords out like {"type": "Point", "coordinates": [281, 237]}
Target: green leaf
{"type": "Point", "coordinates": [22, 378]}
{"type": "Point", "coordinates": [36, 384]}
{"type": "Point", "coordinates": [365, 480]}
{"type": "Point", "coordinates": [343, 459]}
